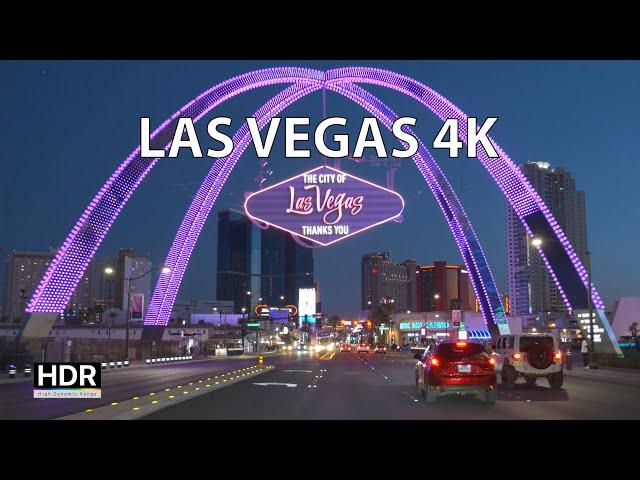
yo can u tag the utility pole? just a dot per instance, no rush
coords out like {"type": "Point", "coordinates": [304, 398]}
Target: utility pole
{"type": "Point", "coordinates": [165, 270]}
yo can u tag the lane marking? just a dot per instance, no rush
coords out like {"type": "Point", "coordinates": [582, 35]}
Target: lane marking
{"type": "Point", "coordinates": [304, 371]}
{"type": "Point", "coordinates": [268, 384]}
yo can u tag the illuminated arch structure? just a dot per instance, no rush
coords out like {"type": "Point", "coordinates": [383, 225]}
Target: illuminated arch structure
{"type": "Point", "coordinates": [60, 280]}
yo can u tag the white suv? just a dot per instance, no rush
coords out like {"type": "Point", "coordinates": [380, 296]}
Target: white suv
{"type": "Point", "coordinates": [528, 355]}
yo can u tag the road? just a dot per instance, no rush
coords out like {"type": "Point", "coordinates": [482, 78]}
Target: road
{"type": "Point", "coordinates": [17, 402]}
{"type": "Point", "coordinates": [370, 386]}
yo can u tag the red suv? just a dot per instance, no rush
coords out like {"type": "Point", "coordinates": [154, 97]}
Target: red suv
{"type": "Point", "coordinates": [456, 367]}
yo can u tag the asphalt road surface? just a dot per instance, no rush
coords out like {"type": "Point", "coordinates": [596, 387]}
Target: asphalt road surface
{"type": "Point", "coordinates": [377, 386]}
{"type": "Point", "coordinates": [17, 402]}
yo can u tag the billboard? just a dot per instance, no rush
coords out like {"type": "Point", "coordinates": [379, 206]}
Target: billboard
{"type": "Point", "coordinates": [307, 304]}
{"type": "Point", "coordinates": [137, 305]}
{"type": "Point", "coordinates": [324, 205]}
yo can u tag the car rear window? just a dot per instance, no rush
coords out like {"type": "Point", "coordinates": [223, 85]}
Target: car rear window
{"type": "Point", "coordinates": [527, 342]}
{"type": "Point", "coordinates": [451, 351]}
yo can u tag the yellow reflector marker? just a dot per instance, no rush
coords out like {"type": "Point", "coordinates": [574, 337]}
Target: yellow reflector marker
{"type": "Point", "coordinates": [89, 410]}
{"type": "Point", "coordinates": [172, 396]}
{"type": "Point", "coordinates": [113, 404]}
{"type": "Point", "coordinates": [217, 383]}
{"type": "Point", "coordinates": [135, 408]}
{"type": "Point", "coordinates": [185, 392]}
{"type": "Point", "coordinates": [167, 389]}
{"type": "Point", "coordinates": [197, 388]}
{"type": "Point", "coordinates": [208, 385]}
{"type": "Point", "coordinates": [136, 398]}
{"type": "Point", "coordinates": [155, 401]}
{"type": "Point", "coordinates": [152, 394]}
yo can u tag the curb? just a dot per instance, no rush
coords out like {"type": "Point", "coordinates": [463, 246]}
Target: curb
{"type": "Point", "coordinates": [139, 407]}
{"type": "Point", "coordinates": [604, 378]}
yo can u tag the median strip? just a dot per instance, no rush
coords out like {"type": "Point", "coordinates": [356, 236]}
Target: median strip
{"type": "Point", "coordinates": [144, 405]}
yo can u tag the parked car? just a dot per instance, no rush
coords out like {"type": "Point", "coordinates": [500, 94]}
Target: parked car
{"type": "Point", "coordinates": [456, 367]}
{"type": "Point", "coordinates": [529, 356]}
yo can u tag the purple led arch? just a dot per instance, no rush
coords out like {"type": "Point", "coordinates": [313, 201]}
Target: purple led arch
{"type": "Point", "coordinates": [470, 249]}
{"type": "Point", "coordinates": [459, 224]}
{"type": "Point", "coordinates": [184, 242]}
{"type": "Point", "coordinates": [514, 185]}
{"type": "Point", "coordinates": [72, 259]}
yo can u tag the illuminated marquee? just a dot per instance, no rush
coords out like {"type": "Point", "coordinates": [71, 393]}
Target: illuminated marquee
{"type": "Point", "coordinates": [324, 205]}
{"type": "Point", "coordinates": [419, 325]}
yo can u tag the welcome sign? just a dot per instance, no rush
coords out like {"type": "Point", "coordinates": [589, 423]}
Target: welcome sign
{"type": "Point", "coordinates": [324, 205]}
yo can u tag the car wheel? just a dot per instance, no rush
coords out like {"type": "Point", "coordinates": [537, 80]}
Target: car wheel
{"type": "Point", "coordinates": [556, 380]}
{"type": "Point", "coordinates": [491, 396]}
{"type": "Point", "coordinates": [509, 377]}
{"type": "Point", "coordinates": [531, 380]}
{"type": "Point", "coordinates": [430, 395]}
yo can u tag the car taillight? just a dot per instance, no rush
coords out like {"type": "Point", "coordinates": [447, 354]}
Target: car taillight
{"type": "Point", "coordinates": [558, 356]}
{"type": "Point", "coordinates": [492, 361]}
{"type": "Point", "coordinates": [461, 344]}
{"type": "Point", "coordinates": [517, 356]}
{"type": "Point", "coordinates": [435, 362]}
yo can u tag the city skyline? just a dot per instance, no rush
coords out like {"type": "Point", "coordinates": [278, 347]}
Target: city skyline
{"type": "Point", "coordinates": [167, 192]}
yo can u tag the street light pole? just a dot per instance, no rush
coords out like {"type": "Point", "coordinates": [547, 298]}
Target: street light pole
{"type": "Point", "coordinates": [164, 269]}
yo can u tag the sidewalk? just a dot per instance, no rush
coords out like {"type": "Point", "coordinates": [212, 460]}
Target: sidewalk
{"type": "Point", "coordinates": [136, 365]}
{"type": "Point", "coordinates": [614, 375]}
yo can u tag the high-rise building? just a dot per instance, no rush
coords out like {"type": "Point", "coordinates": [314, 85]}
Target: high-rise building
{"type": "Point", "coordinates": [130, 265]}
{"type": "Point", "coordinates": [382, 279]}
{"type": "Point", "coordinates": [23, 272]}
{"type": "Point", "coordinates": [298, 271]}
{"type": "Point", "coordinates": [441, 287]}
{"type": "Point", "coordinates": [268, 263]}
{"type": "Point", "coordinates": [531, 288]}
{"type": "Point", "coordinates": [103, 286]}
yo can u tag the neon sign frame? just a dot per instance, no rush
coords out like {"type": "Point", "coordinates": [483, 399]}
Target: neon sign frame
{"type": "Point", "coordinates": [309, 172]}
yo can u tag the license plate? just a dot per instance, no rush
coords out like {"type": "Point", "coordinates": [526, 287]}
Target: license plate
{"type": "Point", "coordinates": [464, 368]}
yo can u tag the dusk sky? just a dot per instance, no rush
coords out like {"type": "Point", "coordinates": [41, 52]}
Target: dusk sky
{"type": "Point", "coordinates": [66, 126]}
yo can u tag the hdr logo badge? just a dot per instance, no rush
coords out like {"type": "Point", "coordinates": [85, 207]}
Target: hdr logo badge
{"type": "Point", "coordinates": [67, 380]}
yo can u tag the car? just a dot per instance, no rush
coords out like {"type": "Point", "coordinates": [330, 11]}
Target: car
{"type": "Point", "coordinates": [456, 367]}
{"type": "Point", "coordinates": [380, 348]}
{"type": "Point", "coordinates": [405, 348]}
{"type": "Point", "coordinates": [303, 347]}
{"type": "Point", "coordinates": [363, 347]}
{"type": "Point", "coordinates": [530, 356]}
{"type": "Point", "coordinates": [345, 347]}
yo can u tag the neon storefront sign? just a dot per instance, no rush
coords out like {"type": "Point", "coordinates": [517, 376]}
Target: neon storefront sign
{"type": "Point", "coordinates": [324, 205]}
{"type": "Point", "coordinates": [419, 325]}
